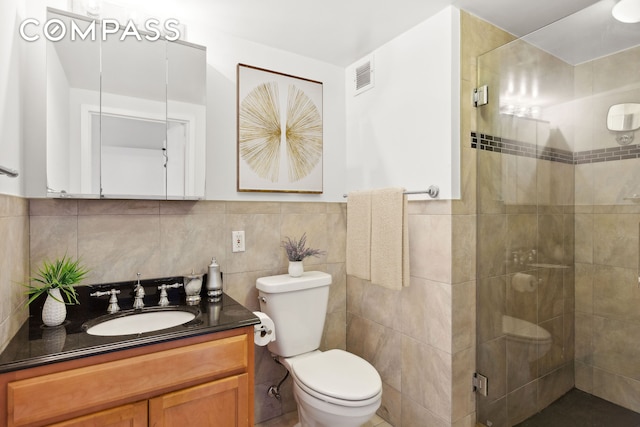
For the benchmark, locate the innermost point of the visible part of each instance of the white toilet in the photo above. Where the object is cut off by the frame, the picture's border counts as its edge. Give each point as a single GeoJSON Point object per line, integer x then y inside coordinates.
{"type": "Point", "coordinates": [332, 388]}
{"type": "Point", "coordinates": [527, 339]}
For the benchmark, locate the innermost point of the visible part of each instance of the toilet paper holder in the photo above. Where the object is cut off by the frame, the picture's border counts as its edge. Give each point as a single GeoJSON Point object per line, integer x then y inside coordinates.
{"type": "Point", "coordinates": [262, 330]}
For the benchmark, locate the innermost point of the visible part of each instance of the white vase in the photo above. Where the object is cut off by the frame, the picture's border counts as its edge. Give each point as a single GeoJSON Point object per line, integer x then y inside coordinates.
{"type": "Point", "coordinates": [54, 338]}
{"type": "Point", "coordinates": [296, 268]}
{"type": "Point", "coordinates": [54, 312]}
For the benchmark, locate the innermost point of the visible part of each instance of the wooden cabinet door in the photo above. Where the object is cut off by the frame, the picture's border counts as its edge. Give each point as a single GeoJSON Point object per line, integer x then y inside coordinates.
{"type": "Point", "coordinates": [131, 415]}
{"type": "Point", "coordinates": [222, 403]}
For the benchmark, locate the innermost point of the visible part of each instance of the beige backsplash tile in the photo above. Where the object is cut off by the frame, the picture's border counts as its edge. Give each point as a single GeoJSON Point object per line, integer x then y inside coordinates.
{"type": "Point", "coordinates": [253, 207]}
{"type": "Point", "coordinates": [14, 265]}
{"type": "Point", "coordinates": [117, 247]}
{"type": "Point", "coordinates": [13, 206]}
{"type": "Point", "coordinates": [187, 207]}
{"type": "Point", "coordinates": [314, 226]}
{"type": "Point", "coordinates": [188, 242]}
{"type": "Point", "coordinates": [52, 207]}
{"type": "Point", "coordinates": [262, 241]}
{"type": "Point", "coordinates": [118, 207]}
{"type": "Point", "coordinates": [53, 237]}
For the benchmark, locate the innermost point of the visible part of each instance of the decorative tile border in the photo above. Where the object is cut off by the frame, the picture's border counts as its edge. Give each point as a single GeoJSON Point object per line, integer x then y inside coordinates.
{"type": "Point", "coordinates": [526, 149]}
{"type": "Point", "coordinates": [607, 154]}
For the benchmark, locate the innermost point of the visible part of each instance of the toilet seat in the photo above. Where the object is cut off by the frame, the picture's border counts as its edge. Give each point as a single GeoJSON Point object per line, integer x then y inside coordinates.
{"type": "Point", "coordinates": [338, 377]}
{"type": "Point", "coordinates": [522, 330]}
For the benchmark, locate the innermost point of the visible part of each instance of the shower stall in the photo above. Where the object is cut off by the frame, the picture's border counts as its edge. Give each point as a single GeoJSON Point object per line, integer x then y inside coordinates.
{"type": "Point", "coordinates": [558, 214]}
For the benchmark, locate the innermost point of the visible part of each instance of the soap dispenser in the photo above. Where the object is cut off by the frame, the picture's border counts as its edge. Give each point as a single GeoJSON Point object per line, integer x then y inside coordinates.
{"type": "Point", "coordinates": [214, 281]}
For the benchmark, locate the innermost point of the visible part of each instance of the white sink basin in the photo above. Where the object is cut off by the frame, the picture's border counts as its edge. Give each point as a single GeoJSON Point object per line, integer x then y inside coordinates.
{"type": "Point", "coordinates": [137, 323]}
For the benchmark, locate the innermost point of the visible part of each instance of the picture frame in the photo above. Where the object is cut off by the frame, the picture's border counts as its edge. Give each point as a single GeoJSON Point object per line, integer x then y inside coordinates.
{"type": "Point", "coordinates": [279, 132]}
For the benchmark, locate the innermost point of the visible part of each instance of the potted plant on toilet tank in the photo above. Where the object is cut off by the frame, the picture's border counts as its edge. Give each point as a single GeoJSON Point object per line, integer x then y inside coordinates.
{"type": "Point", "coordinates": [297, 250]}
{"type": "Point", "coordinates": [57, 280]}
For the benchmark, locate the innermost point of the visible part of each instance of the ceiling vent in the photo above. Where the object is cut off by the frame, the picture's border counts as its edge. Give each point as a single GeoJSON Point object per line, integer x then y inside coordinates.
{"type": "Point", "coordinates": [364, 75]}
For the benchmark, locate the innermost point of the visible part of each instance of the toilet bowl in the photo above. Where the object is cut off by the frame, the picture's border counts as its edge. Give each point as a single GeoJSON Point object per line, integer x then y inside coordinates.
{"type": "Point", "coordinates": [334, 388]}
{"type": "Point", "coordinates": [531, 339]}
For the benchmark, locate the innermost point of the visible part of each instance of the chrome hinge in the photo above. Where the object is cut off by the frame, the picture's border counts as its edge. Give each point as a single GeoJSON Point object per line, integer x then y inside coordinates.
{"type": "Point", "coordinates": [481, 96]}
{"type": "Point", "coordinates": [480, 384]}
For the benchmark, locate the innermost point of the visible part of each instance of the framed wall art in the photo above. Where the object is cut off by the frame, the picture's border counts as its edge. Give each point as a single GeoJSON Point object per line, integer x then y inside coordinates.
{"type": "Point", "coordinates": [279, 132]}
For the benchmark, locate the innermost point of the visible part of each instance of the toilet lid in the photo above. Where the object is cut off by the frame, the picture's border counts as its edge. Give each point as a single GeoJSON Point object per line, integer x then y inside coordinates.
{"type": "Point", "coordinates": [338, 374]}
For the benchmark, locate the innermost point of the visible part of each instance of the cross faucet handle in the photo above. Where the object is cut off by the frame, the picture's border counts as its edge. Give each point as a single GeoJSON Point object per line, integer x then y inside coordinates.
{"type": "Point", "coordinates": [113, 301]}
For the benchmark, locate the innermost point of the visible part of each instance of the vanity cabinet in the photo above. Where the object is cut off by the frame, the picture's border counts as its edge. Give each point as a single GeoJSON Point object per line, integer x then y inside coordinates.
{"type": "Point", "coordinates": [133, 415]}
{"type": "Point", "coordinates": [218, 403]}
{"type": "Point", "coordinates": [205, 380]}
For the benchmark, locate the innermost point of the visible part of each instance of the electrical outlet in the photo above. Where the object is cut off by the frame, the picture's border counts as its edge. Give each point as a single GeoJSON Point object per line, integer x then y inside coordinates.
{"type": "Point", "coordinates": [237, 244]}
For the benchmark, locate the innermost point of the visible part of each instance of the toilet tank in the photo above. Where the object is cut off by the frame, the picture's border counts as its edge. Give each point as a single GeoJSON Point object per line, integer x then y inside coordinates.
{"type": "Point", "coordinates": [298, 308]}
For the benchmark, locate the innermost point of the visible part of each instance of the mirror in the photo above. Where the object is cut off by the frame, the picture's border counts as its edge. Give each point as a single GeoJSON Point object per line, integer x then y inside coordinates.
{"type": "Point", "coordinates": [132, 119]}
{"type": "Point", "coordinates": [126, 118]}
{"type": "Point", "coordinates": [73, 89]}
{"type": "Point", "coordinates": [623, 117]}
{"type": "Point", "coordinates": [186, 116]}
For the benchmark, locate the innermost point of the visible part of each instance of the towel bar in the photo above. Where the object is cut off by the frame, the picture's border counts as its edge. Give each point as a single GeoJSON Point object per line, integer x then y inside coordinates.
{"type": "Point", "coordinates": [9, 172]}
{"type": "Point", "coordinates": [432, 191]}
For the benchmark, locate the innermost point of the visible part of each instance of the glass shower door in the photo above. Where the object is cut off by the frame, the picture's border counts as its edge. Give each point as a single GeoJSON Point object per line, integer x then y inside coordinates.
{"type": "Point", "coordinates": [525, 224]}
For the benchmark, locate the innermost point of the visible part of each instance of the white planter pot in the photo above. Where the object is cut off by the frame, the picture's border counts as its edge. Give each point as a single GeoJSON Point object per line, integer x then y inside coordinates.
{"type": "Point", "coordinates": [54, 312]}
{"type": "Point", "coordinates": [296, 268]}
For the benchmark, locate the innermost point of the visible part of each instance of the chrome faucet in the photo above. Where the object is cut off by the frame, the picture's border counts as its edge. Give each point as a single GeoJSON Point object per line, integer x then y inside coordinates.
{"type": "Point", "coordinates": [138, 294]}
{"type": "Point", "coordinates": [164, 298]}
{"type": "Point", "coordinates": [113, 300]}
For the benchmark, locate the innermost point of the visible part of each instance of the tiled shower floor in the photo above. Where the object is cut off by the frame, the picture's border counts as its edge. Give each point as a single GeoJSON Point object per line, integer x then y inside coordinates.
{"type": "Point", "coordinates": [580, 409]}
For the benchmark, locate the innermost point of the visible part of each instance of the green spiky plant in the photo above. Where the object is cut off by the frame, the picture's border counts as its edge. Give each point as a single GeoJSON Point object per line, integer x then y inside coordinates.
{"type": "Point", "coordinates": [296, 249]}
{"type": "Point", "coordinates": [63, 274]}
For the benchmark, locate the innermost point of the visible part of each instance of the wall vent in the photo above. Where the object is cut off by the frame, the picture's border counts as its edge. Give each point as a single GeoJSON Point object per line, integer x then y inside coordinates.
{"type": "Point", "coordinates": [364, 75]}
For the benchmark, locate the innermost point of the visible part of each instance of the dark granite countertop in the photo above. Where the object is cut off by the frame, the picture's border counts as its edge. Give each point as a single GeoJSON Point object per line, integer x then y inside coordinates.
{"type": "Point", "coordinates": [35, 344]}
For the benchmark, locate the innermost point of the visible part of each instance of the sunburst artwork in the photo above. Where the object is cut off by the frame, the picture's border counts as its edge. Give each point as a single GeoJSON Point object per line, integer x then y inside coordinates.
{"type": "Point", "coordinates": [279, 132]}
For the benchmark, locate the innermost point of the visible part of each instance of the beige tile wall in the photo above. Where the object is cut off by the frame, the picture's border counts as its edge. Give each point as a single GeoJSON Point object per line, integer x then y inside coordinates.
{"type": "Point", "coordinates": [117, 239]}
{"type": "Point", "coordinates": [407, 334]}
{"type": "Point", "coordinates": [607, 297]}
{"type": "Point", "coordinates": [607, 241]}
{"type": "Point", "coordinates": [14, 264]}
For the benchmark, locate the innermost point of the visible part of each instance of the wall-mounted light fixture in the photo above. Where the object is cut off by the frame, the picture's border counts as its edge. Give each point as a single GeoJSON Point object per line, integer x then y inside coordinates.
{"type": "Point", "coordinates": [624, 119]}
{"type": "Point", "coordinates": [627, 11]}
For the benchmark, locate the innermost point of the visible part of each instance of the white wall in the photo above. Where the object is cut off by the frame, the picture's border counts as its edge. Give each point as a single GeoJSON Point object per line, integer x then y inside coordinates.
{"type": "Point", "coordinates": [223, 55]}
{"type": "Point", "coordinates": [405, 131]}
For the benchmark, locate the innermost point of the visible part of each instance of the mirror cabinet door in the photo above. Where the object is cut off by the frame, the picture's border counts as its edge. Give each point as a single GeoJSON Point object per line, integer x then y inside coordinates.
{"type": "Point", "coordinates": [186, 120]}
{"type": "Point", "coordinates": [133, 118]}
{"type": "Point", "coordinates": [73, 95]}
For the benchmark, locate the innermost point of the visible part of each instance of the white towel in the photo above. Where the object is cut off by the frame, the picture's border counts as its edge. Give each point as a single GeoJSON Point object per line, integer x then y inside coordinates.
{"type": "Point", "coordinates": [389, 238]}
{"type": "Point", "coordinates": [359, 234]}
